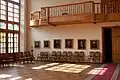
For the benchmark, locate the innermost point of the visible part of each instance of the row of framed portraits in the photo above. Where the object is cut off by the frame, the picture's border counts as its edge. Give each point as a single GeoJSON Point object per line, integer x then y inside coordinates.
{"type": "Point", "coordinates": [94, 44]}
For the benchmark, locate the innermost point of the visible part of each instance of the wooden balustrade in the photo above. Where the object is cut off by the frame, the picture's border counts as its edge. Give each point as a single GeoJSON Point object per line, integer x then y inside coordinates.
{"type": "Point", "coordinates": [76, 13]}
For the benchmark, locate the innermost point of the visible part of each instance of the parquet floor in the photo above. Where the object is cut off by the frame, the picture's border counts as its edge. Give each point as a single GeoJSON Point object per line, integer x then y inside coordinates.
{"type": "Point", "coordinates": [48, 71]}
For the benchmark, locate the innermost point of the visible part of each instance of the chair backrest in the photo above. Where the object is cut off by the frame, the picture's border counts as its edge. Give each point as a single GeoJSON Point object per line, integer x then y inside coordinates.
{"type": "Point", "coordinates": [45, 53]}
{"type": "Point", "coordinates": [97, 54]}
{"type": "Point", "coordinates": [54, 53]}
{"type": "Point", "coordinates": [92, 54]}
{"type": "Point", "coordinates": [59, 53]}
{"type": "Point", "coordinates": [81, 54]}
{"type": "Point", "coordinates": [76, 53]}
{"type": "Point", "coordinates": [70, 53]}
{"type": "Point", "coordinates": [64, 53]}
{"type": "Point", "coordinates": [21, 54]}
{"type": "Point", "coordinates": [41, 53]}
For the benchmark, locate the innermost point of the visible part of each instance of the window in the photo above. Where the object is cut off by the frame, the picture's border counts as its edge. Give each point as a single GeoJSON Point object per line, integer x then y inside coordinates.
{"type": "Point", "coordinates": [2, 42]}
{"type": "Point", "coordinates": [9, 26]}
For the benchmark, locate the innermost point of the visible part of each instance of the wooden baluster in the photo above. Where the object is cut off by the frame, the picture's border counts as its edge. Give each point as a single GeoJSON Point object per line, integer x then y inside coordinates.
{"type": "Point", "coordinates": [113, 7]}
{"type": "Point", "coordinates": [69, 10]}
{"type": "Point", "coordinates": [57, 11]}
{"type": "Point", "coordinates": [77, 7]}
{"type": "Point", "coordinates": [73, 9]}
{"type": "Point", "coordinates": [97, 8]}
{"type": "Point", "coordinates": [80, 8]}
{"type": "Point", "coordinates": [48, 10]}
{"type": "Point", "coordinates": [39, 15]}
{"type": "Point", "coordinates": [84, 8]}
{"type": "Point", "coordinates": [53, 11]}
{"type": "Point", "coordinates": [118, 7]}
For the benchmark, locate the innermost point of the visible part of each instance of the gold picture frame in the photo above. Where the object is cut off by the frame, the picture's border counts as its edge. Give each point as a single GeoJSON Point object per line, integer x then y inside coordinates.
{"type": "Point", "coordinates": [69, 43]}
{"type": "Point", "coordinates": [94, 44]}
{"type": "Point", "coordinates": [57, 43]}
{"type": "Point", "coordinates": [81, 44]}
{"type": "Point", "coordinates": [46, 44]}
{"type": "Point", "coordinates": [37, 44]}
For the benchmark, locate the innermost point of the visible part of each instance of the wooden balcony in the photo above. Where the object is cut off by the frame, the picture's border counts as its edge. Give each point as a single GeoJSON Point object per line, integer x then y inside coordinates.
{"type": "Point", "coordinates": [77, 13]}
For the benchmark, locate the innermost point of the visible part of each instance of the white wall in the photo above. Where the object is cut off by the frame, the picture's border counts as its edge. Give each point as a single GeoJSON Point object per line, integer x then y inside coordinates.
{"type": "Point", "coordinates": [75, 31]}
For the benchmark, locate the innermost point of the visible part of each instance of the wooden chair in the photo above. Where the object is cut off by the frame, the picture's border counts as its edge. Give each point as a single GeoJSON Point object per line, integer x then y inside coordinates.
{"type": "Point", "coordinates": [92, 57]}
{"type": "Point", "coordinates": [69, 56]}
{"type": "Point", "coordinates": [53, 57]}
{"type": "Point", "coordinates": [64, 56]}
{"type": "Point", "coordinates": [11, 58]}
{"type": "Point", "coordinates": [58, 56]}
{"type": "Point", "coordinates": [0, 59]}
{"type": "Point", "coordinates": [38, 57]}
{"type": "Point", "coordinates": [97, 57]}
{"type": "Point", "coordinates": [16, 58]}
{"type": "Point", "coordinates": [27, 56]}
{"type": "Point", "coordinates": [76, 56]}
{"type": "Point", "coordinates": [81, 55]}
{"type": "Point", "coordinates": [32, 58]}
{"type": "Point", "coordinates": [5, 59]}
{"type": "Point", "coordinates": [45, 56]}
{"type": "Point", "coordinates": [21, 57]}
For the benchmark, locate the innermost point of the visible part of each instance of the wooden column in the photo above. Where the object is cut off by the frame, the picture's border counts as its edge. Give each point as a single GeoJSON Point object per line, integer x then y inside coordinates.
{"type": "Point", "coordinates": [27, 8]}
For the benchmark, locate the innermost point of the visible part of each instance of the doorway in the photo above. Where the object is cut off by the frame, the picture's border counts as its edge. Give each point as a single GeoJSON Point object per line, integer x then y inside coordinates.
{"type": "Point", "coordinates": [107, 45]}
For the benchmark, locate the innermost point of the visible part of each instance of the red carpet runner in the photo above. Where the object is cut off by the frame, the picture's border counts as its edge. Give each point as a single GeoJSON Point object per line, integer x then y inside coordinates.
{"type": "Point", "coordinates": [106, 73]}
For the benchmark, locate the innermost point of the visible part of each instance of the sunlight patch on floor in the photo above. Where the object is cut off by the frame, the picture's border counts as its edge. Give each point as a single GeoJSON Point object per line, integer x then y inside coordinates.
{"type": "Point", "coordinates": [16, 78]}
{"type": "Point", "coordinates": [29, 79]}
{"type": "Point", "coordinates": [44, 66]}
{"type": "Point", "coordinates": [71, 68]}
{"type": "Point", "coordinates": [2, 76]}
{"type": "Point", "coordinates": [18, 65]}
{"type": "Point", "coordinates": [101, 71]}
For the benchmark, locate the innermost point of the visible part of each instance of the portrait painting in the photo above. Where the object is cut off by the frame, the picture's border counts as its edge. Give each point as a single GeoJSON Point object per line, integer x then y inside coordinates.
{"type": "Point", "coordinates": [94, 44]}
{"type": "Point", "coordinates": [57, 43]}
{"type": "Point", "coordinates": [46, 44]}
{"type": "Point", "coordinates": [81, 44]}
{"type": "Point", "coordinates": [37, 44]}
{"type": "Point", "coordinates": [68, 43]}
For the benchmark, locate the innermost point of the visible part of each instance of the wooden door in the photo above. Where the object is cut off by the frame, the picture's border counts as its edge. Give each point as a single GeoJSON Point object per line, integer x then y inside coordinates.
{"type": "Point", "coordinates": [116, 44]}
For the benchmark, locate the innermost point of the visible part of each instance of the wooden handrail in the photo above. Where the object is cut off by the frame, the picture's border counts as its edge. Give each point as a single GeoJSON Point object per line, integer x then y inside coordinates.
{"type": "Point", "coordinates": [67, 4]}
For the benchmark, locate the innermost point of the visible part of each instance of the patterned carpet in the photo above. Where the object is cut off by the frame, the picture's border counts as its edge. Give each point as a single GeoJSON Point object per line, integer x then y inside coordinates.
{"type": "Point", "coordinates": [107, 72]}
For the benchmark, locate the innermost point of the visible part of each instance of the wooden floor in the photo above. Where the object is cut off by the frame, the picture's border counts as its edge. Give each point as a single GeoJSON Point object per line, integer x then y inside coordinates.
{"type": "Point", "coordinates": [48, 71]}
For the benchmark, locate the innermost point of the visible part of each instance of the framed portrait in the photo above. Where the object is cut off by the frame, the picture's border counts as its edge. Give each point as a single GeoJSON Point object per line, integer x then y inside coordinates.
{"type": "Point", "coordinates": [57, 43]}
{"type": "Point", "coordinates": [46, 44]}
{"type": "Point", "coordinates": [94, 44]}
{"type": "Point", "coordinates": [81, 44]}
{"type": "Point", "coordinates": [37, 44]}
{"type": "Point", "coordinates": [68, 43]}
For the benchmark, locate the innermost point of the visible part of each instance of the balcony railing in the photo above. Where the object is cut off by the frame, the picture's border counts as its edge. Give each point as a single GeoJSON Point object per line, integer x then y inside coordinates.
{"type": "Point", "coordinates": [85, 12]}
